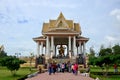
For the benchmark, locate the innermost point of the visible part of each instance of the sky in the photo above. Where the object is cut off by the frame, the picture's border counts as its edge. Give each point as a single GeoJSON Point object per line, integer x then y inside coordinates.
{"type": "Point", "coordinates": [22, 20]}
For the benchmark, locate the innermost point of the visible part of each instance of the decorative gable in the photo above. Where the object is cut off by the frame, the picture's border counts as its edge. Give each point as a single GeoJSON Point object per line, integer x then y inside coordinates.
{"type": "Point", "coordinates": [61, 22]}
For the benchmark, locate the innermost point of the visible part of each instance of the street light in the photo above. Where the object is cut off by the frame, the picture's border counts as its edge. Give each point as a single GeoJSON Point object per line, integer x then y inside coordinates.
{"type": "Point", "coordinates": [31, 57]}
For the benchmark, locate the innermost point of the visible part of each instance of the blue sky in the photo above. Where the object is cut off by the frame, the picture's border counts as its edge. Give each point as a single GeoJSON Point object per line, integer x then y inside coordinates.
{"type": "Point", "coordinates": [21, 20]}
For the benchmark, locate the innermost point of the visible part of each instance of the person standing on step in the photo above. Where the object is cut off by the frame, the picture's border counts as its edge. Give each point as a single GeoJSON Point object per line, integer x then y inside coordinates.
{"type": "Point", "coordinates": [54, 68]}
{"type": "Point", "coordinates": [63, 67]}
{"type": "Point", "coordinates": [72, 68]}
{"type": "Point", "coordinates": [50, 68]}
{"type": "Point", "coordinates": [75, 68]}
{"type": "Point", "coordinates": [58, 67]}
{"type": "Point", "coordinates": [69, 67]}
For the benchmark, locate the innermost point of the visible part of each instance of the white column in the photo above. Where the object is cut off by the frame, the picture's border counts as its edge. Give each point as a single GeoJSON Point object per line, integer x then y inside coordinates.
{"type": "Point", "coordinates": [69, 43]}
{"type": "Point", "coordinates": [45, 50]}
{"type": "Point", "coordinates": [41, 48]}
{"type": "Point", "coordinates": [69, 48]}
{"type": "Point", "coordinates": [47, 46]}
{"type": "Point", "coordinates": [52, 46]}
{"type": "Point", "coordinates": [80, 48]}
{"type": "Point", "coordinates": [84, 52]}
{"type": "Point", "coordinates": [74, 45]}
{"type": "Point", "coordinates": [55, 50]}
{"type": "Point", "coordinates": [38, 48]}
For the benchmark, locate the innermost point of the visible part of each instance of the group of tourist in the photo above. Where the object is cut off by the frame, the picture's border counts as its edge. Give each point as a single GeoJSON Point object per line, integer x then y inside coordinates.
{"type": "Point", "coordinates": [62, 67]}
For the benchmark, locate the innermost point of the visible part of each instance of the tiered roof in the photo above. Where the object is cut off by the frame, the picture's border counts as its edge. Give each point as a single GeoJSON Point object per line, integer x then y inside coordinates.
{"type": "Point", "coordinates": [61, 25]}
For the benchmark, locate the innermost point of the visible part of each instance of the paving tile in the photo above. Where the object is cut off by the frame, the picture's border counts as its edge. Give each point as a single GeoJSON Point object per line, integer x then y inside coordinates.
{"type": "Point", "coordinates": [59, 76]}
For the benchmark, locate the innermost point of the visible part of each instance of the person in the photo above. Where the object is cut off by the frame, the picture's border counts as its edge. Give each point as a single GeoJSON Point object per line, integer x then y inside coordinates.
{"type": "Point", "coordinates": [50, 68]}
{"type": "Point", "coordinates": [39, 69]}
{"type": "Point", "coordinates": [63, 67]}
{"type": "Point", "coordinates": [75, 68]}
{"type": "Point", "coordinates": [72, 68]}
{"type": "Point", "coordinates": [58, 67]}
{"type": "Point", "coordinates": [88, 69]}
{"type": "Point", "coordinates": [69, 67]}
{"type": "Point", "coordinates": [115, 68]}
{"type": "Point", "coordinates": [54, 68]}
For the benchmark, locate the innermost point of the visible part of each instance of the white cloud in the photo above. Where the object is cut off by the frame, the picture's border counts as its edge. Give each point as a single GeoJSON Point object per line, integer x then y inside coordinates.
{"type": "Point", "coordinates": [115, 13]}
{"type": "Point", "coordinates": [40, 3]}
{"type": "Point", "coordinates": [112, 38]}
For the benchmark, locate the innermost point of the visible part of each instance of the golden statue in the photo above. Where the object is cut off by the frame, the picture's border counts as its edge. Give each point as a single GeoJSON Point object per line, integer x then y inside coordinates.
{"type": "Point", "coordinates": [61, 50]}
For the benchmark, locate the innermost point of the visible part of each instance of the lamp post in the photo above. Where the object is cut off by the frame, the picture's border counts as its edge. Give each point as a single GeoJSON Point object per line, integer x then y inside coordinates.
{"type": "Point", "coordinates": [31, 57]}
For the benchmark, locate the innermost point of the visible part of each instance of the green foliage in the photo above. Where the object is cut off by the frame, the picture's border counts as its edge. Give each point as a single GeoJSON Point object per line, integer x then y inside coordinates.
{"type": "Point", "coordinates": [104, 52]}
{"type": "Point", "coordinates": [116, 49]}
{"type": "Point", "coordinates": [12, 63]}
{"type": "Point", "coordinates": [92, 60]}
{"type": "Point", "coordinates": [115, 58]}
{"type": "Point", "coordinates": [106, 58]}
{"type": "Point", "coordinates": [3, 54]}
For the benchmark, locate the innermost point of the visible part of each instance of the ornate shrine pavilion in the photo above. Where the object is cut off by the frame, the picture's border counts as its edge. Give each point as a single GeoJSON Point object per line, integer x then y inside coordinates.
{"type": "Point", "coordinates": [60, 36]}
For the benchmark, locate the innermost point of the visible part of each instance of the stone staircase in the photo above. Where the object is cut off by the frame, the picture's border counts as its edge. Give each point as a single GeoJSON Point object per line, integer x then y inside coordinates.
{"type": "Point", "coordinates": [62, 60]}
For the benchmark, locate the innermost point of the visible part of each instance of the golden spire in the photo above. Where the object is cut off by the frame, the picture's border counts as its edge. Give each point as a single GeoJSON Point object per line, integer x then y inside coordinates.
{"type": "Point", "coordinates": [61, 16]}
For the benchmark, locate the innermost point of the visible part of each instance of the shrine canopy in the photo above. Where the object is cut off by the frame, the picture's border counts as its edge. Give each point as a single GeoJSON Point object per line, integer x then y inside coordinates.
{"type": "Point", "coordinates": [61, 32]}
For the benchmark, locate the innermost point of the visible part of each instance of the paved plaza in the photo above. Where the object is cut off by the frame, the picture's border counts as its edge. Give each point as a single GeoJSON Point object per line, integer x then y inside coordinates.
{"type": "Point", "coordinates": [59, 76]}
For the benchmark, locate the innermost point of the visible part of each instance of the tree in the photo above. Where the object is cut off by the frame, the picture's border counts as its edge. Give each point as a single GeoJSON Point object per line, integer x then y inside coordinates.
{"type": "Point", "coordinates": [12, 63]}
{"type": "Point", "coordinates": [104, 60]}
{"type": "Point", "coordinates": [92, 60]}
{"type": "Point", "coordinates": [116, 49]}
{"type": "Point", "coordinates": [3, 54]}
{"type": "Point", "coordinates": [107, 58]}
{"type": "Point", "coordinates": [91, 56]}
{"type": "Point", "coordinates": [92, 52]}
{"type": "Point", "coordinates": [105, 51]}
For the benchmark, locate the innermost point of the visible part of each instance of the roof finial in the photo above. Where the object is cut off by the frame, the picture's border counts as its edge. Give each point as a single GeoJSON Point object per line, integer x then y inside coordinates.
{"type": "Point", "coordinates": [61, 16]}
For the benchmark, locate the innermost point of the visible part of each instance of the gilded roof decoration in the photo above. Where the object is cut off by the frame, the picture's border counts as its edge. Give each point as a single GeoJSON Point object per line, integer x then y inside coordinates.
{"type": "Point", "coordinates": [61, 24]}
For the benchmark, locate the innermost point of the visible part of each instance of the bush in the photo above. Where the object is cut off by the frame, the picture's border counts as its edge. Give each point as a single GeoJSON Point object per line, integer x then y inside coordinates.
{"type": "Point", "coordinates": [12, 63]}
{"type": "Point", "coordinates": [82, 70]}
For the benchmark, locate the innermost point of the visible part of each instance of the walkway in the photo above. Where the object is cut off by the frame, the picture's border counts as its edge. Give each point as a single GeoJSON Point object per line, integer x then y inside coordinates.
{"type": "Point", "coordinates": [59, 76]}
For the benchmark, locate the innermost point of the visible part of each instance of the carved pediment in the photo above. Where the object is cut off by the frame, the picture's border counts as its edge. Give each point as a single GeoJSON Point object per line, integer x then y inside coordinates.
{"type": "Point", "coordinates": [61, 22]}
